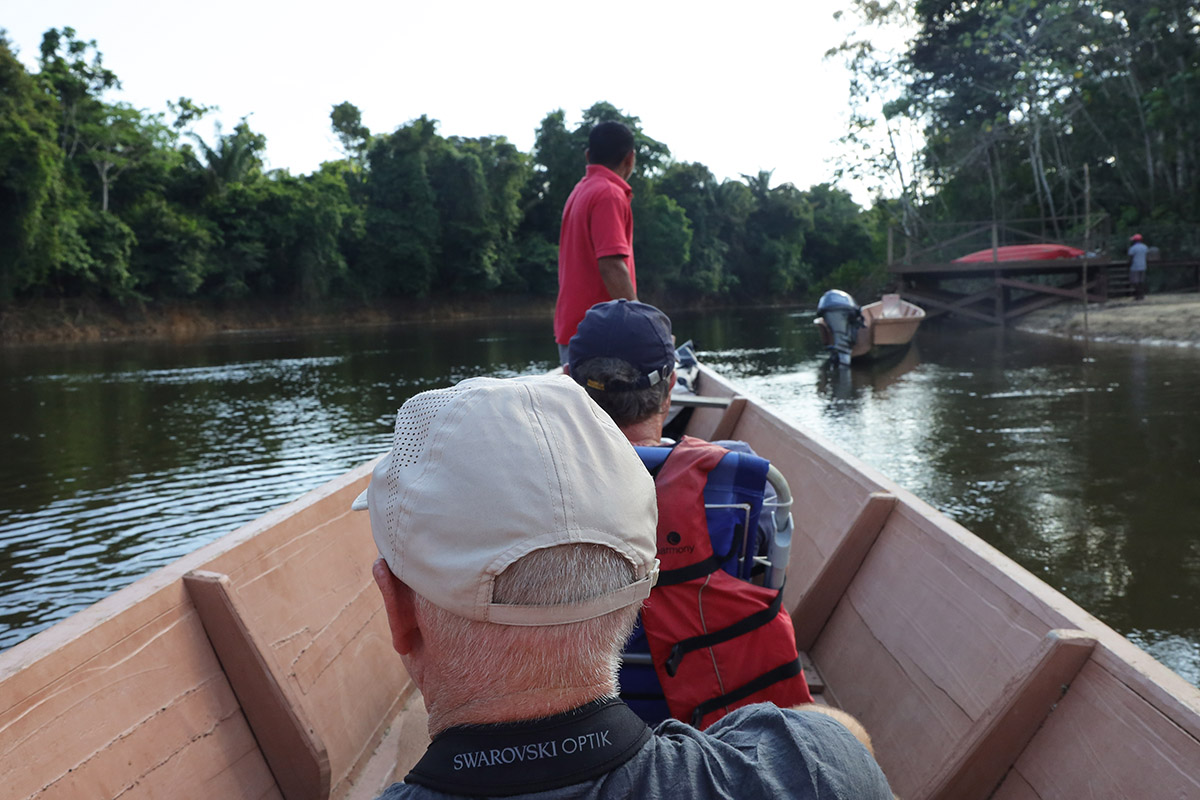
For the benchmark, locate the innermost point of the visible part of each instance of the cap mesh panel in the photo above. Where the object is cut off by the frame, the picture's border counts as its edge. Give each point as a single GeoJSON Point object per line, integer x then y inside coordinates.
{"type": "Point", "coordinates": [408, 442]}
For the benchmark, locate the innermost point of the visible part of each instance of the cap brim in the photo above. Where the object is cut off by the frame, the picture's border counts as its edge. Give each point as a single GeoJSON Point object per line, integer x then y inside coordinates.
{"type": "Point", "coordinates": [360, 502]}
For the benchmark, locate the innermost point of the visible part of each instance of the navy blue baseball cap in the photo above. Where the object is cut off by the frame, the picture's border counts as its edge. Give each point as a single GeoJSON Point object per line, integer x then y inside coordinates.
{"type": "Point", "coordinates": [628, 330]}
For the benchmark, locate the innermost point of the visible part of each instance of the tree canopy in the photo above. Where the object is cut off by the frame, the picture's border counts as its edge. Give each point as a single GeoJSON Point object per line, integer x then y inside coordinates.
{"type": "Point", "coordinates": [1033, 108]}
{"type": "Point", "coordinates": [100, 199]}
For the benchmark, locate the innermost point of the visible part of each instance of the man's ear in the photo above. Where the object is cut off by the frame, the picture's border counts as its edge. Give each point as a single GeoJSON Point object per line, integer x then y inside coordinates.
{"type": "Point", "coordinates": [628, 163]}
{"type": "Point", "coordinates": [400, 605]}
{"type": "Point", "coordinates": [666, 403]}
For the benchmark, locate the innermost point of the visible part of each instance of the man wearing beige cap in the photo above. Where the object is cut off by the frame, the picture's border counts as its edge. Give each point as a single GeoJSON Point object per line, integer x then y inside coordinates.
{"type": "Point", "coordinates": [516, 531]}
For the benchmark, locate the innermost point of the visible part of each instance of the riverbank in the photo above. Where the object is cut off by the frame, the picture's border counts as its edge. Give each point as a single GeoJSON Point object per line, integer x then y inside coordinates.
{"type": "Point", "coordinates": [50, 322]}
{"type": "Point", "coordinates": [1163, 319]}
{"type": "Point", "coordinates": [93, 321]}
{"type": "Point", "coordinates": [1170, 319]}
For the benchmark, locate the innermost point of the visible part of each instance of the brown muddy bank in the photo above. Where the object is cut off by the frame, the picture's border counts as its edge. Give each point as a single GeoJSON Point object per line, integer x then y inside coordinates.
{"type": "Point", "coordinates": [95, 321]}
{"type": "Point", "coordinates": [54, 321]}
{"type": "Point", "coordinates": [1168, 319]}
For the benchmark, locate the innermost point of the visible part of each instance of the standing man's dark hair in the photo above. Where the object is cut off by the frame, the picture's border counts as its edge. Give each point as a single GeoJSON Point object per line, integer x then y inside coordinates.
{"type": "Point", "coordinates": [609, 143]}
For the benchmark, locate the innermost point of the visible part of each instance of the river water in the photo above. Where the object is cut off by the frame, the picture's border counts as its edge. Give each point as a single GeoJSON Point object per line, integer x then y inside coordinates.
{"type": "Point", "coordinates": [1080, 462]}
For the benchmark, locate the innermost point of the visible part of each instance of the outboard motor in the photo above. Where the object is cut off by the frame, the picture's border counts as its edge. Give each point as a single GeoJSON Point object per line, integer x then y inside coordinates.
{"type": "Point", "coordinates": [844, 319]}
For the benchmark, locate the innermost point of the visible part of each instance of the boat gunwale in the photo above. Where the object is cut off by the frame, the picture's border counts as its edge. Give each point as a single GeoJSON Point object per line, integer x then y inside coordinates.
{"type": "Point", "coordinates": [67, 631]}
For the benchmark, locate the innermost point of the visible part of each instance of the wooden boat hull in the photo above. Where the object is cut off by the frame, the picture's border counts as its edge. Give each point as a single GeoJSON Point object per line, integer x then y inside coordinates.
{"type": "Point", "coordinates": [889, 325]}
{"type": "Point", "coordinates": [264, 658]}
{"type": "Point", "coordinates": [139, 696]}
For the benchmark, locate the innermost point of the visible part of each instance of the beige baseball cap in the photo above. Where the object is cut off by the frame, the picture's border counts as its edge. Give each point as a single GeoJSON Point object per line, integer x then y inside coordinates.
{"type": "Point", "coordinates": [482, 473]}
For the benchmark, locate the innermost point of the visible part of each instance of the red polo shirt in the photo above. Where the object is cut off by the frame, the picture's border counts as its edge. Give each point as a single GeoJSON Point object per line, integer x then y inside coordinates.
{"type": "Point", "coordinates": [597, 222]}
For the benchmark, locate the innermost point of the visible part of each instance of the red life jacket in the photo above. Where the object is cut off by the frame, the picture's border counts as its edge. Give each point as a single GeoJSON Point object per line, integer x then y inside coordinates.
{"type": "Point", "coordinates": [717, 642]}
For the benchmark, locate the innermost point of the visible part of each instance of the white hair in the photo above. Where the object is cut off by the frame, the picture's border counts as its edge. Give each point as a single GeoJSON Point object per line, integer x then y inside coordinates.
{"type": "Point", "coordinates": [487, 658]}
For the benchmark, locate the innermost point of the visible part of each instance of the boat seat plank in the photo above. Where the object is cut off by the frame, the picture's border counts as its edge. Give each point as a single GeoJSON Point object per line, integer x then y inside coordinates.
{"type": "Point", "coordinates": [1103, 740]}
{"type": "Point", "coordinates": [812, 675]}
{"type": "Point", "coordinates": [137, 709]}
{"type": "Point", "coordinates": [928, 606]}
{"type": "Point", "coordinates": [703, 419]}
{"type": "Point", "coordinates": [979, 762]}
{"type": "Point", "coordinates": [823, 594]}
{"type": "Point", "coordinates": [929, 645]}
{"type": "Point", "coordinates": [310, 601]}
{"type": "Point", "coordinates": [293, 749]}
{"type": "Point", "coordinates": [913, 724]}
{"type": "Point", "coordinates": [729, 420]}
{"type": "Point", "coordinates": [699, 401]}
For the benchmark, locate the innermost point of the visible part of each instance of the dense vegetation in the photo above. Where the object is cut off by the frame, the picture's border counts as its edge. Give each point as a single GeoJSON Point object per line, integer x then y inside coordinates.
{"type": "Point", "coordinates": [1034, 109]}
{"type": "Point", "coordinates": [1081, 116]}
{"type": "Point", "coordinates": [102, 200]}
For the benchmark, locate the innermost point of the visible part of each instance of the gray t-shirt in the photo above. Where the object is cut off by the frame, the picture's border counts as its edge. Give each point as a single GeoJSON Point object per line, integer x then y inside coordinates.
{"type": "Point", "coordinates": [1137, 255]}
{"type": "Point", "coordinates": [758, 751]}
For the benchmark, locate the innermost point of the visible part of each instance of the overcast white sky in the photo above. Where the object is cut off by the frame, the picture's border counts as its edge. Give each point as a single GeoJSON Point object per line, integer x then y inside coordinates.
{"type": "Point", "coordinates": [738, 86]}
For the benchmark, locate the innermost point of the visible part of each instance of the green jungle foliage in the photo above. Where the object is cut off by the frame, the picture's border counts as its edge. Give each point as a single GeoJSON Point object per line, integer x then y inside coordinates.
{"type": "Point", "coordinates": [102, 200]}
{"type": "Point", "coordinates": [1049, 110]}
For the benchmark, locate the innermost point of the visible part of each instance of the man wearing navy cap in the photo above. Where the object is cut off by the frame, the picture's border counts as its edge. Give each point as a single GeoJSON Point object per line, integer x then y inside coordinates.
{"type": "Point", "coordinates": [623, 353]}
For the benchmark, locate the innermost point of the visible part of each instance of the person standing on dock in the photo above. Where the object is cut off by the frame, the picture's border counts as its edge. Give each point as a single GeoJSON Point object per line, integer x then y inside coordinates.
{"type": "Point", "coordinates": [1137, 266]}
{"type": "Point", "coordinates": [516, 532]}
{"type": "Point", "coordinates": [595, 244]}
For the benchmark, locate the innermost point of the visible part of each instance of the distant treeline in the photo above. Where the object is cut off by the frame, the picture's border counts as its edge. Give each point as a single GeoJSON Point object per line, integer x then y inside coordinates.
{"type": "Point", "coordinates": [102, 200]}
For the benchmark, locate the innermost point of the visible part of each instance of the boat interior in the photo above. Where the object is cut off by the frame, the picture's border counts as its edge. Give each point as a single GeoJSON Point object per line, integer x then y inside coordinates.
{"type": "Point", "coordinates": [890, 306]}
{"type": "Point", "coordinates": [261, 666]}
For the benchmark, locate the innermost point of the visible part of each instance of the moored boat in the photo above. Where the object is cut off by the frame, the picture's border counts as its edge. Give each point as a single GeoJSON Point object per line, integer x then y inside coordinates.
{"type": "Point", "coordinates": [877, 330]}
{"type": "Point", "coordinates": [261, 666]}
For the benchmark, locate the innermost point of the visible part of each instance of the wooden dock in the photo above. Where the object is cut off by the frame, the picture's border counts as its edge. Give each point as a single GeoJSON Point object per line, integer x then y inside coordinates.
{"type": "Point", "coordinates": [998, 292]}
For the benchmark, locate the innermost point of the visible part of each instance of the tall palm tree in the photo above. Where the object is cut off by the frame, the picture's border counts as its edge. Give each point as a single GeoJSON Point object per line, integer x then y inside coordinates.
{"type": "Point", "coordinates": [235, 158]}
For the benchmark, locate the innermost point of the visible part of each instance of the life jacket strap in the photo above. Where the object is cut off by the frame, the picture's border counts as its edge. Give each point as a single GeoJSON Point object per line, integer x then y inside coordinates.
{"type": "Point", "coordinates": [781, 673]}
{"type": "Point", "coordinates": [745, 625]}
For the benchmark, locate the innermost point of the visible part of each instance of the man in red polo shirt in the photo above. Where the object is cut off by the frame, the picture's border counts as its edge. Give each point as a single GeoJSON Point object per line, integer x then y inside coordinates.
{"type": "Point", "coordinates": [595, 247]}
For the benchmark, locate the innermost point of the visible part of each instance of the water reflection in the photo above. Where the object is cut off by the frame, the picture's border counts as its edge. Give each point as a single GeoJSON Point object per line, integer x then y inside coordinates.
{"type": "Point", "coordinates": [121, 459]}
{"type": "Point", "coordinates": [844, 384]}
{"type": "Point", "coordinates": [1080, 463]}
